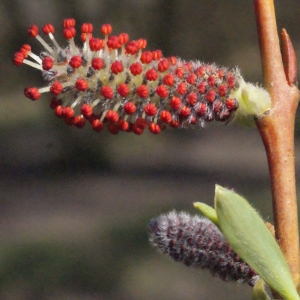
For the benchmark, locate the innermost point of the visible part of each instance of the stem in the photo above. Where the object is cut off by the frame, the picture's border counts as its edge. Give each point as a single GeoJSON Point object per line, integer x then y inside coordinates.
{"type": "Point", "coordinates": [277, 132]}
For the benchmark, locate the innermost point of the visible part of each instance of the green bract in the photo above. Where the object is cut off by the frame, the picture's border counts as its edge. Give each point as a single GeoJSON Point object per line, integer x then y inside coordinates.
{"type": "Point", "coordinates": [253, 100]}
{"type": "Point", "coordinates": [208, 212]}
{"type": "Point", "coordinates": [247, 234]}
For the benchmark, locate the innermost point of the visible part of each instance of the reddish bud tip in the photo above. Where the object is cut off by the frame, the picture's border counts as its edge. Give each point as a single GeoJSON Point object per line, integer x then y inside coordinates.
{"type": "Point", "coordinates": [162, 91]}
{"type": "Point", "coordinates": [123, 38]}
{"type": "Point", "coordinates": [154, 128]}
{"type": "Point", "coordinates": [48, 28]}
{"type": "Point", "coordinates": [96, 44]}
{"type": "Point", "coordinates": [116, 67]}
{"type": "Point", "coordinates": [123, 90]}
{"type": "Point", "coordinates": [33, 30]}
{"type": "Point", "coordinates": [97, 63]}
{"type": "Point", "coordinates": [18, 58]}
{"type": "Point", "coordinates": [163, 65]}
{"type": "Point", "coordinates": [81, 84]}
{"type": "Point", "coordinates": [136, 69]}
{"type": "Point", "coordinates": [142, 91]}
{"type": "Point", "coordinates": [69, 32]}
{"type": "Point", "coordinates": [150, 109]}
{"type": "Point", "coordinates": [151, 75]}
{"type": "Point", "coordinates": [32, 93]}
{"type": "Point", "coordinates": [47, 63]}
{"type": "Point", "coordinates": [86, 110]}
{"type": "Point", "coordinates": [97, 125]}
{"type": "Point", "coordinates": [107, 92]}
{"type": "Point", "coordinates": [129, 108]}
{"type": "Point", "coordinates": [165, 116]}
{"type": "Point", "coordinates": [106, 29]}
{"type": "Point", "coordinates": [146, 57]}
{"type": "Point", "coordinates": [75, 61]}
{"type": "Point", "coordinates": [113, 42]}
{"type": "Point", "coordinates": [56, 88]}
{"type": "Point", "coordinates": [112, 116]}
{"type": "Point", "coordinates": [87, 28]}
{"type": "Point", "coordinates": [69, 23]}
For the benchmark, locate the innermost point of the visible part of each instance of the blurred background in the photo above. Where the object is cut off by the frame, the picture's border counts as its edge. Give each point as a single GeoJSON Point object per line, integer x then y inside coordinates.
{"type": "Point", "coordinates": [74, 204]}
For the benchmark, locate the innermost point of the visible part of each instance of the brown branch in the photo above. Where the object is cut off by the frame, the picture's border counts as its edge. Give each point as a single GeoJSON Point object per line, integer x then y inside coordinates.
{"type": "Point", "coordinates": [277, 132]}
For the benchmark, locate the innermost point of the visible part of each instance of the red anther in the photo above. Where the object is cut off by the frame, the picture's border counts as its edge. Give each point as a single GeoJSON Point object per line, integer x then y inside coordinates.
{"type": "Point", "coordinates": [217, 106]}
{"type": "Point", "coordinates": [69, 23]}
{"type": "Point", "coordinates": [163, 65]}
{"type": "Point", "coordinates": [69, 32]}
{"type": "Point", "coordinates": [211, 80]}
{"type": "Point", "coordinates": [96, 44]}
{"type": "Point", "coordinates": [75, 61]}
{"type": "Point", "coordinates": [137, 130]}
{"type": "Point", "coordinates": [210, 96]}
{"type": "Point", "coordinates": [97, 63]}
{"type": "Point", "coordinates": [222, 89]}
{"type": "Point", "coordinates": [56, 88]}
{"type": "Point", "coordinates": [47, 63]}
{"type": "Point", "coordinates": [179, 72]}
{"type": "Point", "coordinates": [136, 69]}
{"type": "Point", "coordinates": [165, 116]}
{"type": "Point", "coordinates": [151, 75]}
{"type": "Point", "coordinates": [113, 42]}
{"type": "Point", "coordinates": [188, 66]}
{"type": "Point", "coordinates": [48, 28]}
{"type": "Point", "coordinates": [191, 79]}
{"type": "Point", "coordinates": [202, 109]}
{"type": "Point", "coordinates": [231, 80]}
{"type": "Point", "coordinates": [59, 111]}
{"type": "Point", "coordinates": [142, 91]}
{"type": "Point", "coordinates": [123, 125]}
{"type": "Point", "coordinates": [113, 128]}
{"type": "Point", "coordinates": [142, 43]}
{"type": "Point", "coordinates": [174, 123]}
{"type": "Point", "coordinates": [231, 104]}
{"type": "Point", "coordinates": [181, 88]}
{"type": "Point", "coordinates": [107, 92]}
{"type": "Point", "coordinates": [173, 60]}
{"type": "Point", "coordinates": [157, 54]}
{"type": "Point", "coordinates": [123, 90]}
{"type": "Point", "coordinates": [81, 84]}
{"type": "Point", "coordinates": [25, 49]}
{"type": "Point", "coordinates": [112, 116]}
{"type": "Point", "coordinates": [33, 30]}
{"type": "Point", "coordinates": [86, 110]}
{"type": "Point", "coordinates": [202, 87]}
{"type": "Point", "coordinates": [97, 125]}
{"type": "Point", "coordinates": [55, 102]}
{"type": "Point", "coordinates": [162, 91]}
{"type": "Point", "coordinates": [32, 93]}
{"type": "Point", "coordinates": [106, 29]}
{"type": "Point", "coordinates": [192, 98]}
{"type": "Point", "coordinates": [146, 57]}
{"type": "Point", "coordinates": [140, 122]}
{"type": "Point", "coordinates": [175, 103]}
{"type": "Point", "coordinates": [132, 47]}
{"type": "Point", "coordinates": [123, 38]}
{"type": "Point", "coordinates": [18, 58]}
{"type": "Point", "coordinates": [79, 121]}
{"type": "Point", "coordinates": [184, 112]}
{"type": "Point", "coordinates": [84, 36]}
{"type": "Point", "coordinates": [68, 112]}
{"type": "Point", "coordinates": [220, 73]}
{"type": "Point", "coordinates": [150, 109]}
{"type": "Point", "coordinates": [116, 67]}
{"type": "Point", "coordinates": [169, 80]}
{"type": "Point", "coordinates": [87, 28]}
{"type": "Point", "coordinates": [200, 72]}
{"type": "Point", "coordinates": [129, 108]}
{"type": "Point", "coordinates": [154, 128]}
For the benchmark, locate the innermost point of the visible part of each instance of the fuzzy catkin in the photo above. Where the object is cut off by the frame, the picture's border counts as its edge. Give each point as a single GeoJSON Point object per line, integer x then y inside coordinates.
{"type": "Point", "coordinates": [198, 242]}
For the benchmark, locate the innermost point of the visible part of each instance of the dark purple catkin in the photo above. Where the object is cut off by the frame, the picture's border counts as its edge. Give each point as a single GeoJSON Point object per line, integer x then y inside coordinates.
{"type": "Point", "coordinates": [198, 242]}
